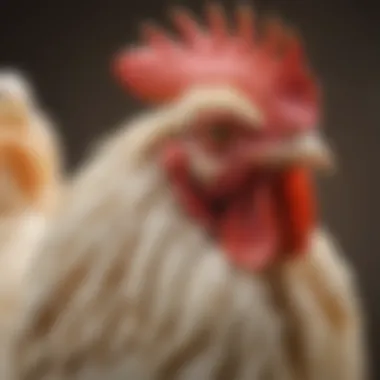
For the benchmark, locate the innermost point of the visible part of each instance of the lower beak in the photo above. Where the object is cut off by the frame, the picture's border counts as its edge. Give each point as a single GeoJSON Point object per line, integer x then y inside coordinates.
{"type": "Point", "coordinates": [309, 150]}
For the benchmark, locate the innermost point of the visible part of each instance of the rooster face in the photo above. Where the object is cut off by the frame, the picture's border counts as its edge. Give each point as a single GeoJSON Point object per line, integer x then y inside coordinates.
{"type": "Point", "coordinates": [246, 183]}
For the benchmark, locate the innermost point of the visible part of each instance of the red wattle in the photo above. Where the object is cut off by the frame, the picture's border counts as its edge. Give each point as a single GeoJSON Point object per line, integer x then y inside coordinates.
{"type": "Point", "coordinates": [249, 230]}
{"type": "Point", "coordinates": [300, 212]}
{"type": "Point", "coordinates": [271, 220]}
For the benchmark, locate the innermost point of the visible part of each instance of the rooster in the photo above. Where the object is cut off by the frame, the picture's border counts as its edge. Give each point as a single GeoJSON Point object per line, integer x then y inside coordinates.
{"type": "Point", "coordinates": [189, 246]}
{"type": "Point", "coordinates": [29, 186]}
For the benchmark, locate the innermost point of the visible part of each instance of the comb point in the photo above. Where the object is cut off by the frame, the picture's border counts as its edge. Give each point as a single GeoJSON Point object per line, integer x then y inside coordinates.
{"type": "Point", "coordinates": [217, 21]}
{"type": "Point", "coordinates": [245, 23]}
{"type": "Point", "coordinates": [185, 23]}
{"type": "Point", "coordinates": [294, 54]}
{"type": "Point", "coordinates": [274, 36]}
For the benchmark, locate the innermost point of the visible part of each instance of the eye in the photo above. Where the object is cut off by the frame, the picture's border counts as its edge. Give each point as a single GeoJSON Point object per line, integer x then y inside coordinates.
{"type": "Point", "coordinates": [221, 133]}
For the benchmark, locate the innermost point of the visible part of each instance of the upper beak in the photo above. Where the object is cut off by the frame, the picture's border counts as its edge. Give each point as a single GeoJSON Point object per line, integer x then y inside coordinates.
{"type": "Point", "coordinates": [309, 150]}
{"type": "Point", "coordinates": [312, 151]}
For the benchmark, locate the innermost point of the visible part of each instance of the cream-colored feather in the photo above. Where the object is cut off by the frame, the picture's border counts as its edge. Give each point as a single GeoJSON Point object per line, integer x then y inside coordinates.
{"type": "Point", "coordinates": [29, 189]}
{"type": "Point", "coordinates": [126, 287]}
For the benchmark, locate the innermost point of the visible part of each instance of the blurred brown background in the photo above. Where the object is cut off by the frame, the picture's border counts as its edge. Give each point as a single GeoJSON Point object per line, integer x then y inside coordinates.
{"type": "Point", "coordinates": [66, 50]}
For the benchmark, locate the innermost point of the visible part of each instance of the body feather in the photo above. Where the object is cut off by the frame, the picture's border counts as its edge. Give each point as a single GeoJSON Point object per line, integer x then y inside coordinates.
{"type": "Point", "coordinates": [30, 186]}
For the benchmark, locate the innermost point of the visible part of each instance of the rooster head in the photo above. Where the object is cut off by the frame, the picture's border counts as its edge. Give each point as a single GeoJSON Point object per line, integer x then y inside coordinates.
{"type": "Point", "coordinates": [242, 161]}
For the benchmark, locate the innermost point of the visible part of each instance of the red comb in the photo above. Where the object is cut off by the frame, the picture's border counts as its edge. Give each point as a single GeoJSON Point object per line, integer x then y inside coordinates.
{"type": "Point", "coordinates": [270, 70]}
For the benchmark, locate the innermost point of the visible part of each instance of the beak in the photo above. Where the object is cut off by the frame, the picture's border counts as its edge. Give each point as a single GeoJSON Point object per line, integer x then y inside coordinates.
{"type": "Point", "coordinates": [312, 151]}
{"type": "Point", "coordinates": [309, 150]}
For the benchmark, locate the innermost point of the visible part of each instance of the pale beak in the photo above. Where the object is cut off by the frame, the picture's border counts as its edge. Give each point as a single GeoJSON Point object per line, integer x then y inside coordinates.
{"type": "Point", "coordinates": [312, 151]}
{"type": "Point", "coordinates": [309, 150]}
